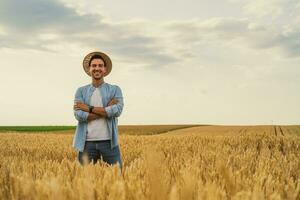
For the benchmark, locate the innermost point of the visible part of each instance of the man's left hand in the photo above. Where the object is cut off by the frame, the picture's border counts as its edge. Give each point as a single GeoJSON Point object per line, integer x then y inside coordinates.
{"type": "Point", "coordinates": [81, 106]}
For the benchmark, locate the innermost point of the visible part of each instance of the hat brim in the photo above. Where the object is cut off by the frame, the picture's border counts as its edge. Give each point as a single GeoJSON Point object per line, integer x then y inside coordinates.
{"type": "Point", "coordinates": [87, 58]}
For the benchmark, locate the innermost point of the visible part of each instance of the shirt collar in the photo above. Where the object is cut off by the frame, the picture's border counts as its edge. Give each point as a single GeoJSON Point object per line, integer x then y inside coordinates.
{"type": "Point", "coordinates": [93, 88]}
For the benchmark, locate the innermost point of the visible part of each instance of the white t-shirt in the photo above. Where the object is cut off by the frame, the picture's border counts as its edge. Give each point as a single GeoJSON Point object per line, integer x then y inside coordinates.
{"type": "Point", "coordinates": [97, 129]}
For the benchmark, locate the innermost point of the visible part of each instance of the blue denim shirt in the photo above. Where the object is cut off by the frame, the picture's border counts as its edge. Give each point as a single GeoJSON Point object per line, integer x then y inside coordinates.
{"type": "Point", "coordinates": [108, 91]}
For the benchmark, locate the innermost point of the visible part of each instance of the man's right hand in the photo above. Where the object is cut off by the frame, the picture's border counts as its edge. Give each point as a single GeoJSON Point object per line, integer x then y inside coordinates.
{"type": "Point", "coordinates": [112, 102]}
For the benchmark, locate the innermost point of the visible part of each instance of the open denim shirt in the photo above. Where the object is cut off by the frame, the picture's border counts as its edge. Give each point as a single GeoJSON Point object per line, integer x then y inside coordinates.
{"type": "Point", "coordinates": [108, 92]}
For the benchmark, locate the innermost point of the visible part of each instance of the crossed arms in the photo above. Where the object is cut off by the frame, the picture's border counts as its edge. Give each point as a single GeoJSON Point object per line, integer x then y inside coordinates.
{"type": "Point", "coordinates": [113, 109]}
{"type": "Point", "coordinates": [98, 112]}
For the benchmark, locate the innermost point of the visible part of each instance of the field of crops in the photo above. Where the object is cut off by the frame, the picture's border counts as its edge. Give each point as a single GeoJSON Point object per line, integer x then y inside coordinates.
{"type": "Point", "coordinates": [204, 162]}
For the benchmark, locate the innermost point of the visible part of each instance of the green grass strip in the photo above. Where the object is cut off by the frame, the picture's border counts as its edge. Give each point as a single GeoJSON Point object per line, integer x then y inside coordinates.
{"type": "Point", "coordinates": [35, 128]}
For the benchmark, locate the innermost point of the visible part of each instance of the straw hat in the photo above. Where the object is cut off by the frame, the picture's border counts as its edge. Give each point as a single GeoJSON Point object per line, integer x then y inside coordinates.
{"type": "Point", "coordinates": [105, 57]}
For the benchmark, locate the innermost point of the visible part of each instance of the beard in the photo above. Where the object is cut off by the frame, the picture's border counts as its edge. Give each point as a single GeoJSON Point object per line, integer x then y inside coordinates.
{"type": "Point", "coordinates": [97, 77]}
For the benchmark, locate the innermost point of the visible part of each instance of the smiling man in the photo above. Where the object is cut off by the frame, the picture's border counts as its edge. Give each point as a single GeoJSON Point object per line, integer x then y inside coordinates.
{"type": "Point", "coordinates": [97, 108]}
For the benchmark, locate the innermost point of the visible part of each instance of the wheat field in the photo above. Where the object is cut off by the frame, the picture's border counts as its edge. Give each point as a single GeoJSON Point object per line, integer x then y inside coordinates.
{"type": "Point", "coordinates": [205, 162]}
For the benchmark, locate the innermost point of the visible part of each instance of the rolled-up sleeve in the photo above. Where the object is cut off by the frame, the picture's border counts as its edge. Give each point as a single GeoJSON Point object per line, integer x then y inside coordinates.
{"type": "Point", "coordinates": [80, 115]}
{"type": "Point", "coordinates": [116, 109]}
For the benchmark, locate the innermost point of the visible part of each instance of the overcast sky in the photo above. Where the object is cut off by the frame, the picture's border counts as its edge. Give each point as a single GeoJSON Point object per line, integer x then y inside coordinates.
{"type": "Point", "coordinates": [177, 62]}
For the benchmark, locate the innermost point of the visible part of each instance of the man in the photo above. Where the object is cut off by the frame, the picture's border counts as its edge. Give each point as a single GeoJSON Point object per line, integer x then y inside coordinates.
{"type": "Point", "coordinates": [97, 108]}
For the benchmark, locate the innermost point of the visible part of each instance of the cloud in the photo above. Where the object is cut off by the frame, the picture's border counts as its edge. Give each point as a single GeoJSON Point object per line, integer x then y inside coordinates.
{"type": "Point", "coordinates": [50, 25]}
{"type": "Point", "coordinates": [47, 25]}
{"type": "Point", "coordinates": [276, 10]}
{"type": "Point", "coordinates": [240, 32]}
{"type": "Point", "coordinates": [38, 15]}
{"type": "Point", "coordinates": [262, 8]}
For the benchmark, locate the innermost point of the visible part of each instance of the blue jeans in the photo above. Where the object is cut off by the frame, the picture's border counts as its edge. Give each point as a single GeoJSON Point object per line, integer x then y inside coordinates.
{"type": "Point", "coordinates": [97, 149]}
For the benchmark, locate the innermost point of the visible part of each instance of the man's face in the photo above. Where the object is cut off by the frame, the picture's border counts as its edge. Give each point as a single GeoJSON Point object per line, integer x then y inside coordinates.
{"type": "Point", "coordinates": [97, 68]}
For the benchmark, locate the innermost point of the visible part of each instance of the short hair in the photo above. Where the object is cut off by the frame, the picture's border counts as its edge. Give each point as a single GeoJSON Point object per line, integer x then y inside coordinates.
{"type": "Point", "coordinates": [97, 57]}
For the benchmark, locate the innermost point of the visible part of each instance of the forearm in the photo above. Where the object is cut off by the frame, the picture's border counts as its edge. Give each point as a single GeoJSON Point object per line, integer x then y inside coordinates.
{"type": "Point", "coordinates": [100, 111]}
{"type": "Point", "coordinates": [80, 115]}
{"type": "Point", "coordinates": [93, 116]}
